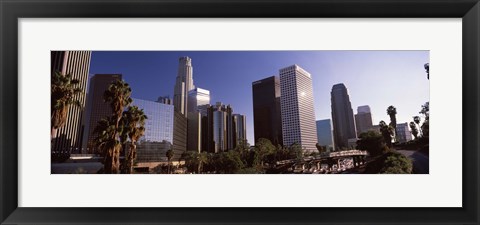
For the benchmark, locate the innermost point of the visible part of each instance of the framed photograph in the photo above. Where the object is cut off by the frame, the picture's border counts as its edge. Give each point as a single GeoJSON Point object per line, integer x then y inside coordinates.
{"type": "Point", "coordinates": [239, 112]}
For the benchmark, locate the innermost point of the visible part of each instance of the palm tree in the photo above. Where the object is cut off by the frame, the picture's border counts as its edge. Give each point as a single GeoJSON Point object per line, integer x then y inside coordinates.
{"type": "Point", "coordinates": [427, 69]}
{"type": "Point", "coordinates": [134, 127]}
{"type": "Point", "coordinates": [64, 90]}
{"type": "Point", "coordinates": [417, 120]}
{"type": "Point", "coordinates": [169, 155]}
{"type": "Point", "coordinates": [392, 112]}
{"type": "Point", "coordinates": [105, 144]}
{"type": "Point", "coordinates": [387, 132]}
{"type": "Point", "coordinates": [118, 95]}
{"type": "Point", "coordinates": [414, 129]}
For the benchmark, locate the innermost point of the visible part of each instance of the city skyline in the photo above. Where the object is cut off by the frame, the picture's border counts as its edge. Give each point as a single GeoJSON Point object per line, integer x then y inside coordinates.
{"type": "Point", "coordinates": [374, 78]}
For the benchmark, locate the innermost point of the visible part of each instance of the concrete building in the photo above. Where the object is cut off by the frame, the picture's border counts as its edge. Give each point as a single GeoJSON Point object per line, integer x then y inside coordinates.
{"type": "Point", "coordinates": [325, 134]}
{"type": "Point", "coordinates": [179, 134]}
{"type": "Point", "coordinates": [342, 117]}
{"type": "Point", "coordinates": [297, 109]}
{"type": "Point", "coordinates": [363, 119]}
{"type": "Point", "coordinates": [97, 109]}
{"type": "Point", "coordinates": [68, 139]}
{"type": "Point", "coordinates": [403, 133]}
{"type": "Point", "coordinates": [158, 137]}
{"type": "Point", "coordinates": [183, 84]}
{"type": "Point", "coordinates": [267, 117]}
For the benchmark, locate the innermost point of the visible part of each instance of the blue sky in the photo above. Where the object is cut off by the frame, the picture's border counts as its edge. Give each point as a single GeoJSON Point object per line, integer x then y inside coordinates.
{"type": "Point", "coordinates": [375, 78]}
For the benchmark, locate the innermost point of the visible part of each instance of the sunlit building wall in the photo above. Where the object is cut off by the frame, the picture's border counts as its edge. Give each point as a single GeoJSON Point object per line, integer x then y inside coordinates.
{"type": "Point", "coordinates": [297, 109]}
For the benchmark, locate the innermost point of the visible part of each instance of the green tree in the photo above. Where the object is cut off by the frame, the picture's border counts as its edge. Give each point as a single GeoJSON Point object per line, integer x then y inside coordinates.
{"type": "Point", "coordinates": [118, 96]}
{"type": "Point", "coordinates": [396, 163]}
{"type": "Point", "coordinates": [392, 112]}
{"type": "Point", "coordinates": [387, 132]}
{"type": "Point", "coordinates": [64, 92]}
{"type": "Point", "coordinates": [296, 151]}
{"type": "Point", "coordinates": [320, 148]}
{"type": "Point", "coordinates": [263, 149]}
{"type": "Point", "coordinates": [417, 121]}
{"type": "Point", "coordinates": [202, 159]}
{"type": "Point", "coordinates": [414, 129]}
{"type": "Point", "coordinates": [134, 127]}
{"type": "Point", "coordinates": [373, 142]}
{"type": "Point", "coordinates": [425, 126]}
{"type": "Point", "coordinates": [104, 131]}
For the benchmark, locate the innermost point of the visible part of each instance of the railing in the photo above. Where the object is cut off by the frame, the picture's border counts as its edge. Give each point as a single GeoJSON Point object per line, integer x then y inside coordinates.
{"type": "Point", "coordinates": [325, 156]}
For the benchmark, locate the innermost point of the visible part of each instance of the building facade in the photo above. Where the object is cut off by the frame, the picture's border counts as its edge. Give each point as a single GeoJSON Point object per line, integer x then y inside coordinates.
{"type": "Point", "coordinates": [325, 134]}
{"type": "Point", "coordinates": [158, 136]}
{"type": "Point", "coordinates": [179, 135]}
{"type": "Point", "coordinates": [363, 119]}
{"type": "Point", "coordinates": [220, 131]}
{"type": "Point", "coordinates": [342, 117]}
{"type": "Point", "coordinates": [403, 133]}
{"type": "Point", "coordinates": [76, 63]}
{"type": "Point", "coordinates": [198, 100]}
{"type": "Point", "coordinates": [240, 129]}
{"type": "Point", "coordinates": [183, 84]}
{"type": "Point", "coordinates": [267, 118]}
{"type": "Point", "coordinates": [97, 109]}
{"type": "Point", "coordinates": [297, 109]}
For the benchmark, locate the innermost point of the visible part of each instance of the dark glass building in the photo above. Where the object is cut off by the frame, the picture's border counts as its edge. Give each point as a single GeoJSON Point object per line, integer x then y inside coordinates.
{"type": "Point", "coordinates": [342, 117]}
{"type": "Point", "coordinates": [158, 136]}
{"type": "Point", "coordinates": [267, 121]}
{"type": "Point", "coordinates": [97, 109]}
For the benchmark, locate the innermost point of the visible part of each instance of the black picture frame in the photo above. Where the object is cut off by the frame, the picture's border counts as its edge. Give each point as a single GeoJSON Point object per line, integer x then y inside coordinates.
{"type": "Point", "coordinates": [12, 10]}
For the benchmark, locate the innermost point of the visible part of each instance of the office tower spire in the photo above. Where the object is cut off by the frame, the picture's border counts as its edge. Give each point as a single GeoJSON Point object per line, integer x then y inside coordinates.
{"type": "Point", "coordinates": [342, 116]}
{"type": "Point", "coordinates": [183, 84]}
{"type": "Point", "coordinates": [298, 115]}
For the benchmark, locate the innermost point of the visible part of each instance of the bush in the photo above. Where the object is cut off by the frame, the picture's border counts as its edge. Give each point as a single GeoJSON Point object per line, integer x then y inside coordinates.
{"type": "Point", "coordinates": [397, 163]}
{"type": "Point", "coordinates": [390, 163]}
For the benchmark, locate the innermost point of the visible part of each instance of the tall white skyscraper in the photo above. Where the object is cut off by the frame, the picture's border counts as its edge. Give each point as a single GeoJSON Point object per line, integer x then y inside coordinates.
{"type": "Point", "coordinates": [183, 85]}
{"type": "Point", "coordinates": [297, 109]}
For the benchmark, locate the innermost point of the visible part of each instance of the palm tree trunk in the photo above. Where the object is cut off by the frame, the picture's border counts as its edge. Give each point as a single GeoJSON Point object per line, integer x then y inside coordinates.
{"type": "Point", "coordinates": [53, 133]}
{"type": "Point", "coordinates": [131, 158]}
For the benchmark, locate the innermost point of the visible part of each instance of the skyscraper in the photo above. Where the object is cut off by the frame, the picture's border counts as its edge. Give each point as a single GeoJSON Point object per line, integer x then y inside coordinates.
{"type": "Point", "coordinates": [97, 109]}
{"type": "Point", "coordinates": [76, 63]}
{"type": "Point", "coordinates": [363, 119]}
{"type": "Point", "coordinates": [217, 128]}
{"type": "Point", "coordinates": [240, 129]}
{"type": "Point", "coordinates": [267, 118]}
{"type": "Point", "coordinates": [297, 109]}
{"type": "Point", "coordinates": [198, 99]}
{"type": "Point", "coordinates": [183, 84]}
{"type": "Point", "coordinates": [342, 117]}
{"type": "Point", "coordinates": [325, 133]}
